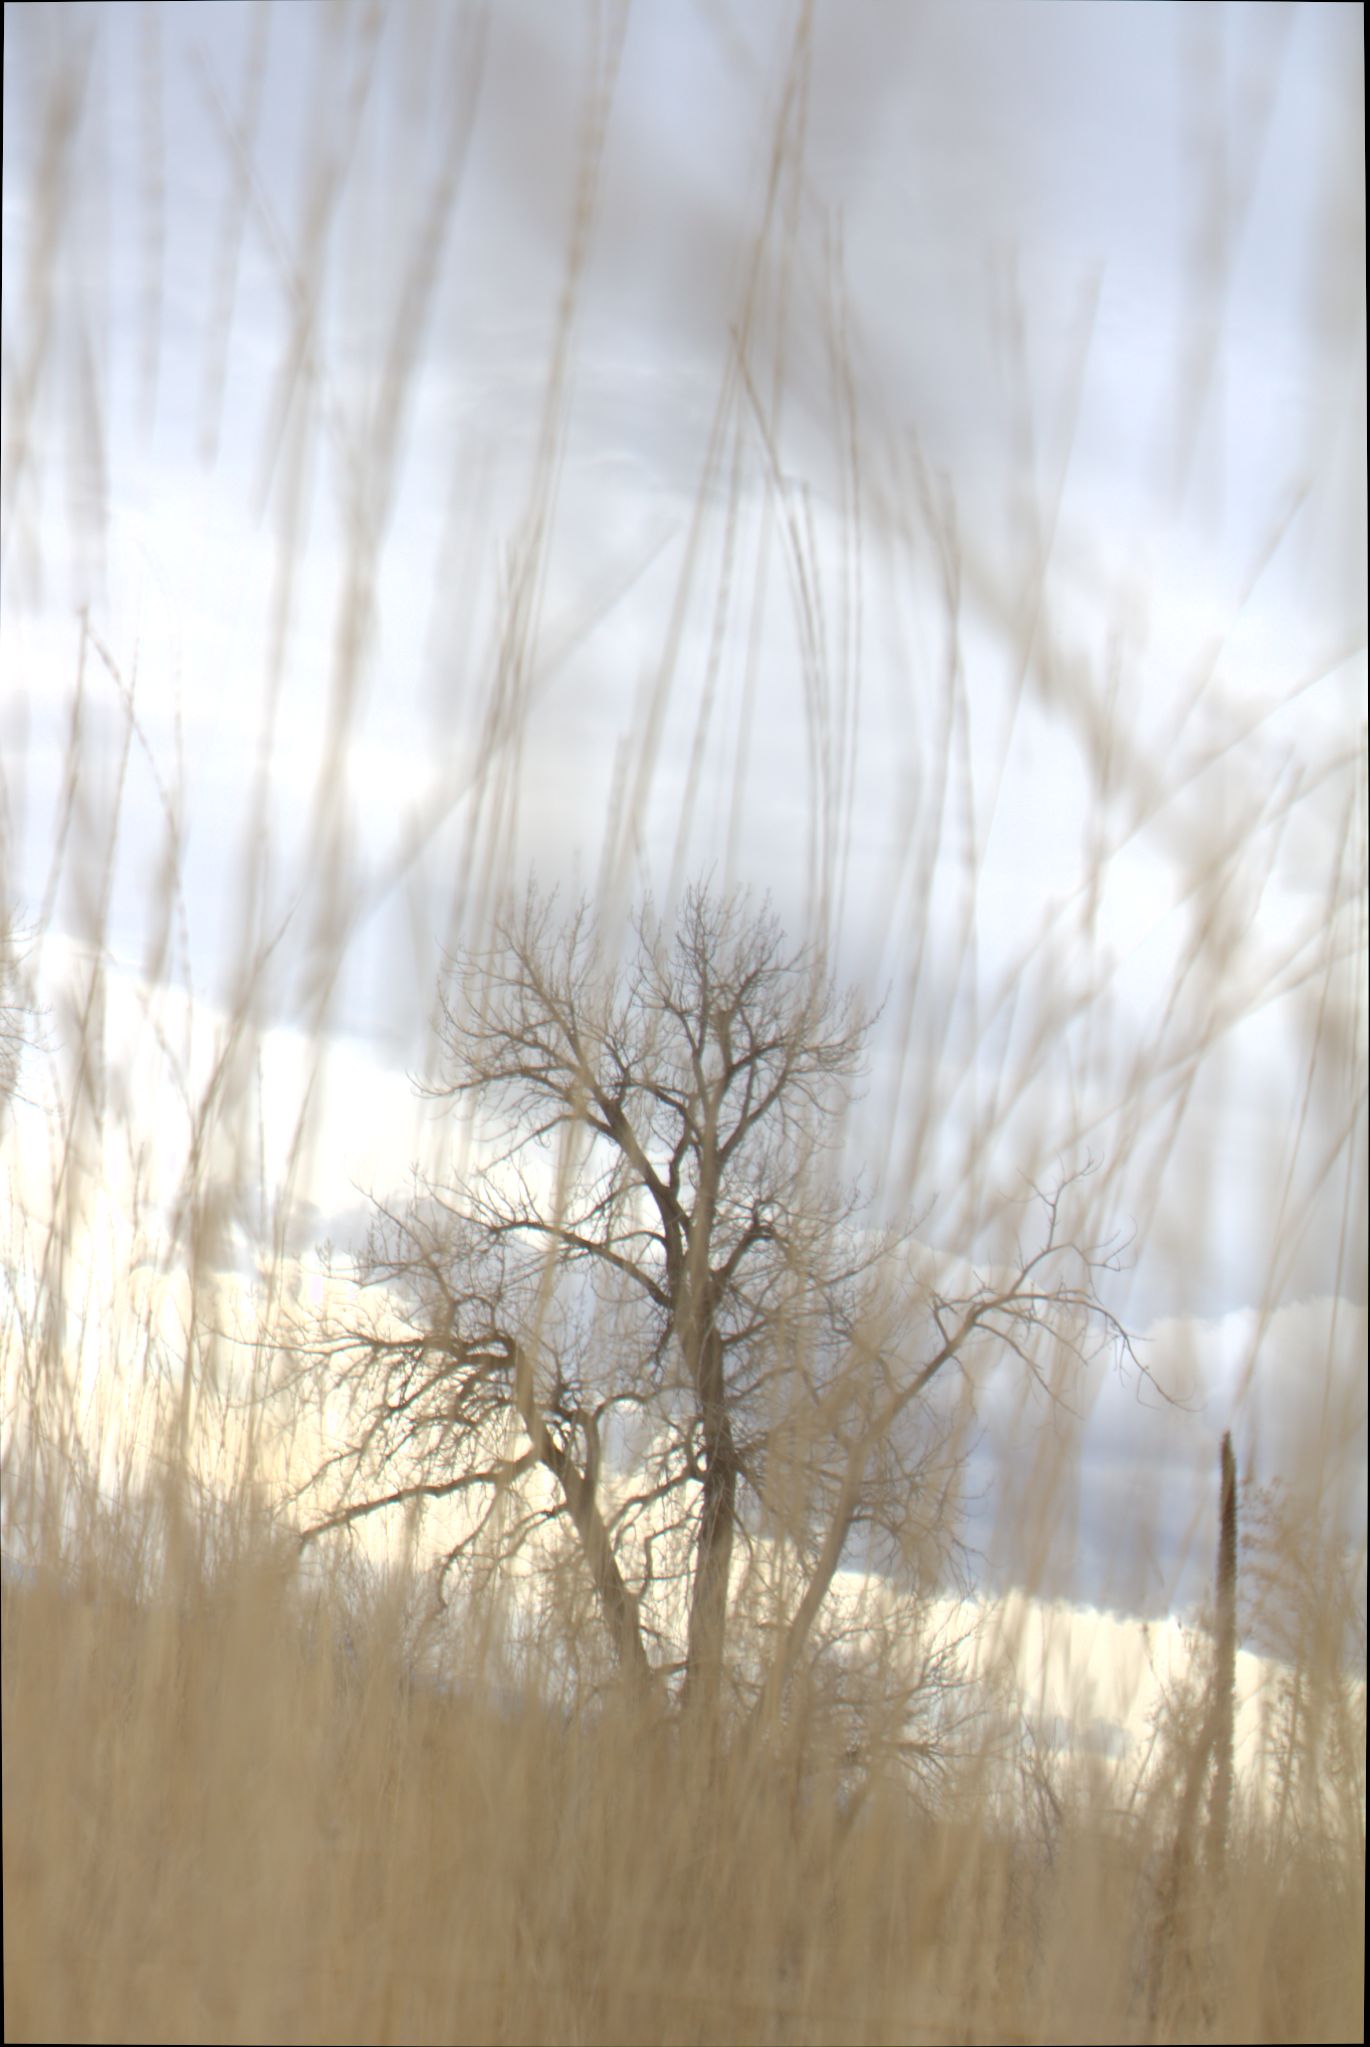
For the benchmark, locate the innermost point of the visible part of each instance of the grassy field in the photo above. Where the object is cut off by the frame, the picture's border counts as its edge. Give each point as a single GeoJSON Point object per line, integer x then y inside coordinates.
{"type": "Point", "coordinates": [347, 587]}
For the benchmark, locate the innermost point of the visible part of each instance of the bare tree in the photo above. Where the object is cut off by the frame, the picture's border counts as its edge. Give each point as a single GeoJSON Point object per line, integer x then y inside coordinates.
{"type": "Point", "coordinates": [653, 1318]}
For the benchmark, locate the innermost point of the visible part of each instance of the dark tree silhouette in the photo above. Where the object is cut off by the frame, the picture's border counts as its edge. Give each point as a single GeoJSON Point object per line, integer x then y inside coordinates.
{"type": "Point", "coordinates": [653, 1315]}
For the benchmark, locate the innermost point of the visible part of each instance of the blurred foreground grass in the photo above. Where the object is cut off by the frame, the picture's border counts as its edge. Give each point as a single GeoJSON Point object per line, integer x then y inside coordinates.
{"type": "Point", "coordinates": [253, 1796]}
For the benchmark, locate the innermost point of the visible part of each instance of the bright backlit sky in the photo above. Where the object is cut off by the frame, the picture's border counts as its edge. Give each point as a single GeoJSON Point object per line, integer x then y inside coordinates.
{"type": "Point", "coordinates": [1099, 270]}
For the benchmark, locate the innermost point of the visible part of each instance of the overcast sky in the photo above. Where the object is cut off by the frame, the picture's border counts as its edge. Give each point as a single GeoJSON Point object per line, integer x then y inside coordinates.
{"type": "Point", "coordinates": [1099, 277]}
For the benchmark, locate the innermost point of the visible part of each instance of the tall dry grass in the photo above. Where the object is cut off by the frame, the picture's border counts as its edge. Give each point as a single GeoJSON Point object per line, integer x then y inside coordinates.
{"type": "Point", "coordinates": [253, 1795]}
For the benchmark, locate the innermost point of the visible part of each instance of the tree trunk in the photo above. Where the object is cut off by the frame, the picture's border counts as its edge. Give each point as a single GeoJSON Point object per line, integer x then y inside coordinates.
{"type": "Point", "coordinates": [617, 1601]}
{"type": "Point", "coordinates": [714, 1551]}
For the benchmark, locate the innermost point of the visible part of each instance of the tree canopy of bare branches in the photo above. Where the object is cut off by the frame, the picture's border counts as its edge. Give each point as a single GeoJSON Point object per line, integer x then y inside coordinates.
{"type": "Point", "coordinates": [652, 1319]}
